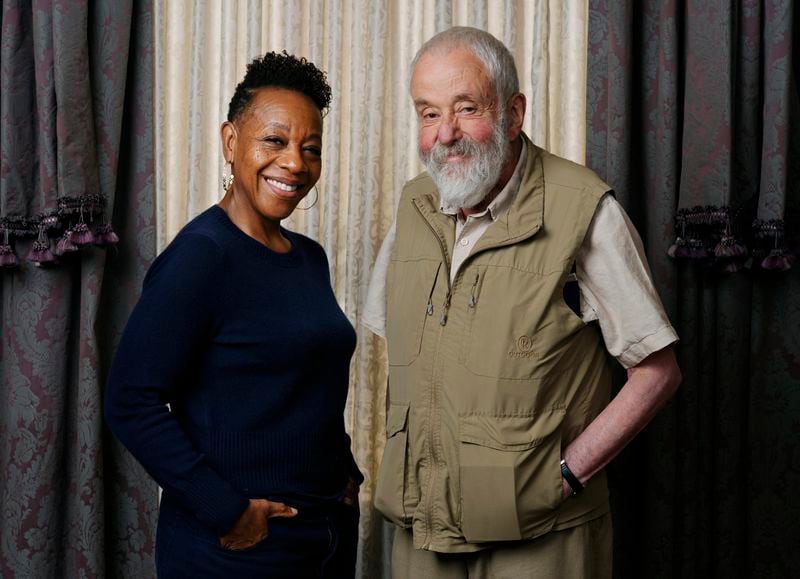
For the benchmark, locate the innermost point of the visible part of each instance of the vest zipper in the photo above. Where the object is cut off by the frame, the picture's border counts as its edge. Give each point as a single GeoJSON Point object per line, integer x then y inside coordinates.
{"type": "Point", "coordinates": [445, 309]}
{"type": "Point", "coordinates": [432, 405]}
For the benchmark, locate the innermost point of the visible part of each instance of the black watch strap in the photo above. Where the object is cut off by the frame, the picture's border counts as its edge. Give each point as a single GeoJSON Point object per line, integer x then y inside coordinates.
{"type": "Point", "coordinates": [571, 479]}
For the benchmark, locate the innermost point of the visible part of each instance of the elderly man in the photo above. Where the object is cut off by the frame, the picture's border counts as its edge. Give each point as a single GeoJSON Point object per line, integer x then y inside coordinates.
{"type": "Point", "coordinates": [499, 422]}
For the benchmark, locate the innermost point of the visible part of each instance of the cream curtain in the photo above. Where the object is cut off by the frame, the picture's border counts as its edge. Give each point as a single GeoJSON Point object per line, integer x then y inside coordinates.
{"type": "Point", "coordinates": [202, 48]}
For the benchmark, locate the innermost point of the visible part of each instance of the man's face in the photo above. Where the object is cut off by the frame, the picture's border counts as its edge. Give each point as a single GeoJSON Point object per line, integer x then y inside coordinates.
{"type": "Point", "coordinates": [462, 132]}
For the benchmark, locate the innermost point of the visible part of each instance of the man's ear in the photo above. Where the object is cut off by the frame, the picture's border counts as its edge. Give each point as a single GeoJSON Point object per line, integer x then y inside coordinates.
{"type": "Point", "coordinates": [227, 133]}
{"type": "Point", "coordinates": [516, 115]}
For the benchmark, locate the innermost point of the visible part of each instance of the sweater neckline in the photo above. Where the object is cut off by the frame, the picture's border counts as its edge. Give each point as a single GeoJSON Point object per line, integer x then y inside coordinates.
{"type": "Point", "coordinates": [292, 258]}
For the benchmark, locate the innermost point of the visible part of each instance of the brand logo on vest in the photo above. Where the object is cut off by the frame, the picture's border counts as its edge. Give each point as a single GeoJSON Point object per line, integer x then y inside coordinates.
{"type": "Point", "coordinates": [524, 348]}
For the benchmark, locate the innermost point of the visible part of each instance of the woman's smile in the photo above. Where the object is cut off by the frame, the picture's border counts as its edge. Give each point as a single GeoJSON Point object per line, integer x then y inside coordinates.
{"type": "Point", "coordinates": [283, 188]}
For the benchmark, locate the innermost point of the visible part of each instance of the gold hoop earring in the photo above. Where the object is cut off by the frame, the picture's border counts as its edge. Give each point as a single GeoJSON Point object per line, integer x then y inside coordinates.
{"type": "Point", "coordinates": [316, 198]}
{"type": "Point", "coordinates": [227, 180]}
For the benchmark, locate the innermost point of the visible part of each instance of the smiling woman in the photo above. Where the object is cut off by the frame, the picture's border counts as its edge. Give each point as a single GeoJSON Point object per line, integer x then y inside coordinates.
{"type": "Point", "coordinates": [274, 149]}
{"type": "Point", "coordinates": [239, 331]}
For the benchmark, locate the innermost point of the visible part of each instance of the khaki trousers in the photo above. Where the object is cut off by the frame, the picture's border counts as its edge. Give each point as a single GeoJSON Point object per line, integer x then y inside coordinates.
{"type": "Point", "coordinates": [582, 552]}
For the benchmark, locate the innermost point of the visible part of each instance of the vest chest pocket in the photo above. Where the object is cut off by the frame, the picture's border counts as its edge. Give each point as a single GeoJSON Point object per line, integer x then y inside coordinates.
{"type": "Point", "coordinates": [501, 339]}
{"type": "Point", "coordinates": [392, 492]}
{"type": "Point", "coordinates": [515, 325]}
{"type": "Point", "coordinates": [410, 290]}
{"type": "Point", "coordinates": [510, 475]}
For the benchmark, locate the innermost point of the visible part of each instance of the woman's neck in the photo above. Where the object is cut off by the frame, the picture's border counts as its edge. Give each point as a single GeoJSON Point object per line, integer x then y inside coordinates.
{"type": "Point", "coordinates": [264, 231]}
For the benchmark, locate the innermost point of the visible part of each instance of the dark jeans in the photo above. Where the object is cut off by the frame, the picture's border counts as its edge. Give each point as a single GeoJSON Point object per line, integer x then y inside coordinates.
{"type": "Point", "coordinates": [319, 543]}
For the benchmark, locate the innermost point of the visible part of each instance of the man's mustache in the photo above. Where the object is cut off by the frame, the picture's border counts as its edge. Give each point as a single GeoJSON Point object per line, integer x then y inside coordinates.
{"type": "Point", "coordinates": [464, 147]}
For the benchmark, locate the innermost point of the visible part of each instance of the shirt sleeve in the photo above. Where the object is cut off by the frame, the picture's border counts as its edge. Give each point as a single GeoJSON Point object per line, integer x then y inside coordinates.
{"type": "Point", "coordinates": [163, 339]}
{"type": "Point", "coordinates": [617, 289]}
{"type": "Point", "coordinates": [374, 315]}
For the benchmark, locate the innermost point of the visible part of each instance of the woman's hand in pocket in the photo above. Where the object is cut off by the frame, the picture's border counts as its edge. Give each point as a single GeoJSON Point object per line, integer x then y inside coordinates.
{"type": "Point", "coordinates": [252, 527]}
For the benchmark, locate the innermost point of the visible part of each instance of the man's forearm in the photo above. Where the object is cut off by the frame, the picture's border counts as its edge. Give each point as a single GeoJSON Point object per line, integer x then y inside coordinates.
{"type": "Point", "coordinates": [650, 384]}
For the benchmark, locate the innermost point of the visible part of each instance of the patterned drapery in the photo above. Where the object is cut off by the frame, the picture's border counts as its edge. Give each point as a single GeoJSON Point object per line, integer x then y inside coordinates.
{"type": "Point", "coordinates": [49, 182]}
{"type": "Point", "coordinates": [692, 109]}
{"type": "Point", "coordinates": [76, 147]}
{"type": "Point", "coordinates": [369, 140]}
{"type": "Point", "coordinates": [719, 95]}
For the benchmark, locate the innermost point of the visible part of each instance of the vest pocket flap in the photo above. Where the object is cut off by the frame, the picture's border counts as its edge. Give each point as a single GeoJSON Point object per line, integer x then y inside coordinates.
{"type": "Point", "coordinates": [397, 419]}
{"type": "Point", "coordinates": [511, 433]}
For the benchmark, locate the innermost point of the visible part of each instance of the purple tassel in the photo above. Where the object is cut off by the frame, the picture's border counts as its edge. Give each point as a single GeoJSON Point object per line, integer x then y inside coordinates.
{"type": "Point", "coordinates": [691, 248]}
{"type": "Point", "coordinates": [698, 252]}
{"type": "Point", "coordinates": [104, 236]}
{"type": "Point", "coordinates": [81, 235]}
{"type": "Point", "coordinates": [777, 260]}
{"type": "Point", "coordinates": [678, 249]}
{"type": "Point", "coordinates": [40, 254]}
{"type": "Point", "coordinates": [729, 247]}
{"type": "Point", "coordinates": [65, 244]}
{"type": "Point", "coordinates": [8, 258]}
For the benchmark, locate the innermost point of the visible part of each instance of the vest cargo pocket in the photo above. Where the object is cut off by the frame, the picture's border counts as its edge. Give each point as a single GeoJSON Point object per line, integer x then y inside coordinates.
{"type": "Point", "coordinates": [510, 476]}
{"type": "Point", "coordinates": [390, 492]}
{"type": "Point", "coordinates": [409, 292]}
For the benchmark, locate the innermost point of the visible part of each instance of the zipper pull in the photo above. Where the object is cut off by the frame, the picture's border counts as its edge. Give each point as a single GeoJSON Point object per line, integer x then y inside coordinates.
{"type": "Point", "coordinates": [429, 307]}
{"type": "Point", "coordinates": [445, 308]}
{"type": "Point", "coordinates": [471, 302]}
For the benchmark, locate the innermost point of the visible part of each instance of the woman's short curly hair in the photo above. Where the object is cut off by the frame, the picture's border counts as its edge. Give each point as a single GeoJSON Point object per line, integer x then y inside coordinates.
{"type": "Point", "coordinates": [281, 70]}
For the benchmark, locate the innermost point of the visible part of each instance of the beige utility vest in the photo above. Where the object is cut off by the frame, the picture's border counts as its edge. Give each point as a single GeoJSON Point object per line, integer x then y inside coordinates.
{"type": "Point", "coordinates": [493, 375]}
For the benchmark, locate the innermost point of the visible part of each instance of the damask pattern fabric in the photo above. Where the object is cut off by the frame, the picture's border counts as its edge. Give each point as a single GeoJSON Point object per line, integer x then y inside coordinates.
{"type": "Point", "coordinates": [692, 105]}
{"type": "Point", "coordinates": [76, 111]}
{"type": "Point", "coordinates": [719, 83]}
{"type": "Point", "coordinates": [49, 179]}
{"type": "Point", "coordinates": [369, 143]}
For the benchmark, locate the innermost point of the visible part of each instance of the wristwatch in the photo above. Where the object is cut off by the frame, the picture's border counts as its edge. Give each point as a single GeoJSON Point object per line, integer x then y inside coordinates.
{"type": "Point", "coordinates": [571, 479]}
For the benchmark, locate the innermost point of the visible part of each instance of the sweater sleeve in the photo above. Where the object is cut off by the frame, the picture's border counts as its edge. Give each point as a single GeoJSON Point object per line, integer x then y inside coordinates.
{"type": "Point", "coordinates": [166, 333]}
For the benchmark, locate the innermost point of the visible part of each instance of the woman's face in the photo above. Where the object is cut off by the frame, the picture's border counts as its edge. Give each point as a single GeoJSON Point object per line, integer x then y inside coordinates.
{"type": "Point", "coordinates": [275, 152]}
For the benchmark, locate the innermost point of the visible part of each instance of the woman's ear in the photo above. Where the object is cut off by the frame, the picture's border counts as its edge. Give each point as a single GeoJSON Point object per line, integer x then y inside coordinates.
{"type": "Point", "coordinates": [227, 133]}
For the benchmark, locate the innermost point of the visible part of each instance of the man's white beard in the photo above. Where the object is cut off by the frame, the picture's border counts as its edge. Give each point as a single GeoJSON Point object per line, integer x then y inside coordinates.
{"type": "Point", "coordinates": [466, 184]}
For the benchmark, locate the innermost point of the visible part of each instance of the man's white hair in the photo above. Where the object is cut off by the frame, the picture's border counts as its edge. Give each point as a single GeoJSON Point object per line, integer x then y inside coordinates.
{"type": "Point", "coordinates": [489, 50]}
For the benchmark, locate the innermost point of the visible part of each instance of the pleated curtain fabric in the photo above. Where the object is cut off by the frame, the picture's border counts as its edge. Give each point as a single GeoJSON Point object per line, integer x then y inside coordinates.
{"type": "Point", "coordinates": [693, 107]}
{"type": "Point", "coordinates": [76, 93]}
{"type": "Point", "coordinates": [712, 84]}
{"type": "Point", "coordinates": [369, 145]}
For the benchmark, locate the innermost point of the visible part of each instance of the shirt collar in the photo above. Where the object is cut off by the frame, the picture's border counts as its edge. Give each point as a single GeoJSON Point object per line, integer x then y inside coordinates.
{"type": "Point", "coordinates": [500, 204]}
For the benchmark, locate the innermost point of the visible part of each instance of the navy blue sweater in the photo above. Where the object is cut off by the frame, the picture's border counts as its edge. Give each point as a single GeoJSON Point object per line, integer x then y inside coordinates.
{"type": "Point", "coordinates": [252, 353]}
